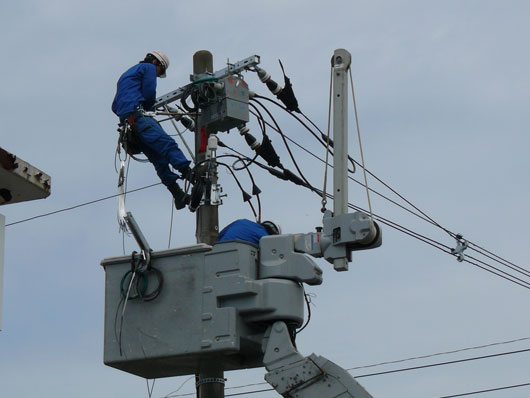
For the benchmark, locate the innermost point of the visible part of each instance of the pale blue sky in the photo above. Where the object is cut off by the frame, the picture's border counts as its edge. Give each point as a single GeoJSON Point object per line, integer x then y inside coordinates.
{"type": "Point", "coordinates": [442, 94]}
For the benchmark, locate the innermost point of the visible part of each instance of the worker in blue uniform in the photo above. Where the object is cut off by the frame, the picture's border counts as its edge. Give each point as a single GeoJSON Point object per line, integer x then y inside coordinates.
{"type": "Point", "coordinates": [248, 231]}
{"type": "Point", "coordinates": [136, 93]}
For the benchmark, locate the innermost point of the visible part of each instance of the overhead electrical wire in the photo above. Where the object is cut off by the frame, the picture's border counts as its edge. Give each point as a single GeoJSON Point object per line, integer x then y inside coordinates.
{"type": "Point", "coordinates": [286, 144]}
{"type": "Point", "coordinates": [394, 225]}
{"type": "Point", "coordinates": [431, 242]}
{"type": "Point", "coordinates": [81, 205]}
{"type": "Point", "coordinates": [427, 240]}
{"type": "Point", "coordinates": [445, 363]}
{"type": "Point", "coordinates": [431, 220]}
{"type": "Point", "coordinates": [445, 396]}
{"type": "Point", "coordinates": [485, 391]}
{"type": "Point", "coordinates": [442, 363]}
{"type": "Point", "coordinates": [492, 269]}
{"type": "Point", "coordinates": [351, 178]}
{"type": "Point", "coordinates": [425, 217]}
{"type": "Point", "coordinates": [479, 347]}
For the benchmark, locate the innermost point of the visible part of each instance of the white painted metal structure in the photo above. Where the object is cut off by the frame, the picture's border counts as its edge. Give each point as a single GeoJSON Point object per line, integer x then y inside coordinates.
{"type": "Point", "coordinates": [2, 245]}
{"type": "Point", "coordinates": [20, 181]}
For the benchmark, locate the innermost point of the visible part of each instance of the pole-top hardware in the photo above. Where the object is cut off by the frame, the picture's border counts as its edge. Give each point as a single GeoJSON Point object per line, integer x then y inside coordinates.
{"type": "Point", "coordinates": [461, 245]}
{"type": "Point", "coordinates": [341, 59]}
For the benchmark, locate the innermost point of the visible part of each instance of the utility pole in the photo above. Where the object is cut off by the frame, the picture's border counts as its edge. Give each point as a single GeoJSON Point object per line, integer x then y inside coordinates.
{"type": "Point", "coordinates": [207, 227]}
{"type": "Point", "coordinates": [340, 62]}
{"type": "Point", "coordinates": [210, 381]}
{"type": "Point", "coordinates": [229, 305]}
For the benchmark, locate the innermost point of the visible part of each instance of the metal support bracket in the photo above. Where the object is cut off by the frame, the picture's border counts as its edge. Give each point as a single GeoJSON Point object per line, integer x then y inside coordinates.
{"type": "Point", "coordinates": [340, 235]}
{"type": "Point", "coordinates": [231, 69]}
{"type": "Point", "coordinates": [294, 376]}
{"type": "Point", "coordinates": [139, 238]}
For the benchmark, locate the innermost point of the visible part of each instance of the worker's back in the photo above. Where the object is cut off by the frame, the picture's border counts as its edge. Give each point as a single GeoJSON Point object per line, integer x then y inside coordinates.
{"type": "Point", "coordinates": [243, 229]}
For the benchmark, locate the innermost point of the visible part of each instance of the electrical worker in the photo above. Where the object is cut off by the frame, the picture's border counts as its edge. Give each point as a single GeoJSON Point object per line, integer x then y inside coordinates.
{"type": "Point", "coordinates": [136, 93]}
{"type": "Point", "coordinates": [248, 231]}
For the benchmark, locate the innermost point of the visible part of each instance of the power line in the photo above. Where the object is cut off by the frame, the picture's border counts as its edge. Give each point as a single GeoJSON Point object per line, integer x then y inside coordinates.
{"type": "Point", "coordinates": [442, 363]}
{"type": "Point", "coordinates": [484, 391]}
{"type": "Point", "coordinates": [441, 353]}
{"type": "Point", "coordinates": [387, 222]}
{"type": "Point", "coordinates": [445, 396]}
{"type": "Point", "coordinates": [496, 271]}
{"type": "Point", "coordinates": [423, 238]}
{"type": "Point", "coordinates": [427, 218]}
{"type": "Point", "coordinates": [250, 392]}
{"type": "Point", "coordinates": [81, 205]}
{"type": "Point", "coordinates": [405, 369]}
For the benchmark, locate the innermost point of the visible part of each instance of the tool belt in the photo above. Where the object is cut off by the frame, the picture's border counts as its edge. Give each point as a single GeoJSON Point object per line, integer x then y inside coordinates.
{"type": "Point", "coordinates": [129, 135]}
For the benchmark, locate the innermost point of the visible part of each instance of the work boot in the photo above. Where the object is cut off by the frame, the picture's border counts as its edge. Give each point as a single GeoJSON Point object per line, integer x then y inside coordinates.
{"type": "Point", "coordinates": [181, 197]}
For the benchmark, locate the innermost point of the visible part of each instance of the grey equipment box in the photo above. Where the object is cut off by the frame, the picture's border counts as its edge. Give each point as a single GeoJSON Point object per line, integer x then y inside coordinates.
{"type": "Point", "coordinates": [212, 308]}
{"type": "Point", "coordinates": [229, 109]}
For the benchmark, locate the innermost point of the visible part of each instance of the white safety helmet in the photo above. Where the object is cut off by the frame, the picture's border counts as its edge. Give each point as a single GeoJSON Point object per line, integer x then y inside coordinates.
{"type": "Point", "coordinates": [273, 228]}
{"type": "Point", "coordinates": [163, 59]}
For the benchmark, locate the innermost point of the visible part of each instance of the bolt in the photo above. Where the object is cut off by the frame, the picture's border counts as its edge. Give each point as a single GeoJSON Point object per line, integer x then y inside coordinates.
{"type": "Point", "coordinates": [276, 349]}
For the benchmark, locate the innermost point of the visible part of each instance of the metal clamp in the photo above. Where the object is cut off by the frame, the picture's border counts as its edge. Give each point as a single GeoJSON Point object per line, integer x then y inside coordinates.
{"type": "Point", "coordinates": [208, 380]}
{"type": "Point", "coordinates": [461, 245]}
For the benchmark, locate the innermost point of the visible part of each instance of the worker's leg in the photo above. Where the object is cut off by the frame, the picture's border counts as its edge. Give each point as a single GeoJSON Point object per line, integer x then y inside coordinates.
{"type": "Point", "coordinates": [153, 136]}
{"type": "Point", "coordinates": [168, 178]}
{"type": "Point", "coordinates": [162, 169]}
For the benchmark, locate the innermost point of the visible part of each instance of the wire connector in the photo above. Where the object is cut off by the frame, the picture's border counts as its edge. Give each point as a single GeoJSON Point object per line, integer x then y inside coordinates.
{"type": "Point", "coordinates": [461, 245]}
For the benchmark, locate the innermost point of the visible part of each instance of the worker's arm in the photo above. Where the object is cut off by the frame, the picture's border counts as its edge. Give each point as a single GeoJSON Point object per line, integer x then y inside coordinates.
{"type": "Point", "coordinates": [149, 86]}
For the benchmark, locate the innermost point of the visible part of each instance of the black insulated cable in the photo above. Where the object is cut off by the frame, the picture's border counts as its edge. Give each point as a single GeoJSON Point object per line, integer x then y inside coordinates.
{"type": "Point", "coordinates": [423, 216]}
{"type": "Point", "coordinates": [285, 94]}
{"type": "Point", "coordinates": [279, 130]}
{"type": "Point", "coordinates": [323, 139]}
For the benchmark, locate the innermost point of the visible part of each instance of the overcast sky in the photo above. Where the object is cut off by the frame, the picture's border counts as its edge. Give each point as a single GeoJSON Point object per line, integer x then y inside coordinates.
{"type": "Point", "coordinates": [442, 91]}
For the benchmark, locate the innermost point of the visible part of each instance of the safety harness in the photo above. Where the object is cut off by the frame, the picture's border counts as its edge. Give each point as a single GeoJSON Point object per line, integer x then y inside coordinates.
{"type": "Point", "coordinates": [129, 136]}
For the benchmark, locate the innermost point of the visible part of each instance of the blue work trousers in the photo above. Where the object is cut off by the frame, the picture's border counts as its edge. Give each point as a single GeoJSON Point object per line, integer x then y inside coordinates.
{"type": "Point", "coordinates": [160, 149]}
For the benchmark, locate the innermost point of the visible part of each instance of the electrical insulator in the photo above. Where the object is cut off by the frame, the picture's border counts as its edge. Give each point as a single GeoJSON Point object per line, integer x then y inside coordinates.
{"type": "Point", "coordinates": [212, 146]}
{"type": "Point", "coordinates": [265, 77]}
{"type": "Point", "coordinates": [243, 129]}
{"type": "Point", "coordinates": [188, 123]}
{"type": "Point", "coordinates": [218, 86]}
{"type": "Point", "coordinates": [252, 142]}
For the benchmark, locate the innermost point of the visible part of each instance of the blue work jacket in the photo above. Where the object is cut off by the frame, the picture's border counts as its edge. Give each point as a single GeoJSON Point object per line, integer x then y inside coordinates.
{"type": "Point", "coordinates": [137, 86]}
{"type": "Point", "coordinates": [243, 229]}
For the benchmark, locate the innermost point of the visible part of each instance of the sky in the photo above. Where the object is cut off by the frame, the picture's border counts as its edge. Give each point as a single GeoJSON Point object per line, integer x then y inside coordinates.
{"type": "Point", "coordinates": [442, 97]}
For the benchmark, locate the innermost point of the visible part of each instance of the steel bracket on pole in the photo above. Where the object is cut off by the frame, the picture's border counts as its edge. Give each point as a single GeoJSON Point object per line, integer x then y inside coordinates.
{"type": "Point", "coordinates": [294, 376]}
{"type": "Point", "coordinates": [231, 69]}
{"type": "Point", "coordinates": [139, 238]}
